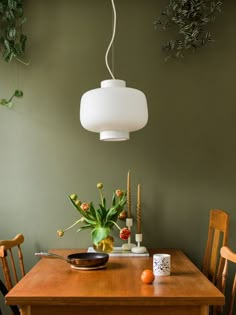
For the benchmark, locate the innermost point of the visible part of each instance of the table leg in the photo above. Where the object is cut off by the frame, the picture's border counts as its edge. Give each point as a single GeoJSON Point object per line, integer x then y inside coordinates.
{"type": "Point", "coordinates": [204, 310]}
{"type": "Point", "coordinates": [25, 310]}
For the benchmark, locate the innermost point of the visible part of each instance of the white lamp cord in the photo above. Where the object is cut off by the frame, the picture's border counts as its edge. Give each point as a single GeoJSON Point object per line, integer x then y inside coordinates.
{"type": "Point", "coordinates": [112, 39]}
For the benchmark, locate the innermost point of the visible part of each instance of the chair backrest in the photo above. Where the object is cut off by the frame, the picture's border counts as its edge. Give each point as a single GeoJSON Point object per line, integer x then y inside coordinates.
{"type": "Point", "coordinates": [4, 291]}
{"type": "Point", "coordinates": [228, 256]}
{"type": "Point", "coordinates": [218, 231]}
{"type": "Point", "coordinates": [12, 260]}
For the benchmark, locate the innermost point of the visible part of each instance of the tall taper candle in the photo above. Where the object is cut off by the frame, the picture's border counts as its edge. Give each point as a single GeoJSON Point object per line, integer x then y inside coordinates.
{"type": "Point", "coordinates": [128, 195]}
{"type": "Point", "coordinates": [139, 219]}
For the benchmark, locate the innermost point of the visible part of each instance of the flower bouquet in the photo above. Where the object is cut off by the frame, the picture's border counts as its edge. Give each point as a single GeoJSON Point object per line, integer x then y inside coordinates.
{"type": "Point", "coordinates": [100, 220]}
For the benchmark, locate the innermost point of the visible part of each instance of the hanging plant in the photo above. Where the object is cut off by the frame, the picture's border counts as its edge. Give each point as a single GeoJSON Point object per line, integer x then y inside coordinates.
{"type": "Point", "coordinates": [12, 38]}
{"type": "Point", "coordinates": [8, 102]}
{"type": "Point", "coordinates": [190, 20]}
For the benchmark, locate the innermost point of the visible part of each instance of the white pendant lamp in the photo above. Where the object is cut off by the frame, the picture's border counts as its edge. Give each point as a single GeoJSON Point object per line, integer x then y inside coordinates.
{"type": "Point", "coordinates": [113, 110]}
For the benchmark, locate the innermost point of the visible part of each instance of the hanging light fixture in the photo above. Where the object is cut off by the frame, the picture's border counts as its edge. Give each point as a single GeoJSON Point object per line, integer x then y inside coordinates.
{"type": "Point", "coordinates": [113, 110]}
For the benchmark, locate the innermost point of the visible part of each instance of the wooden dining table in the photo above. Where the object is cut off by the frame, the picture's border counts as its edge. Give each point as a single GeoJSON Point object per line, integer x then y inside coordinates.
{"type": "Point", "coordinates": [53, 287]}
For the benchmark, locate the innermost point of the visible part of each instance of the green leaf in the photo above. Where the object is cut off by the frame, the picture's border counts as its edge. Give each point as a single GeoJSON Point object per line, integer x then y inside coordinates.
{"type": "Point", "coordinates": [90, 221]}
{"type": "Point", "coordinates": [95, 214]}
{"type": "Point", "coordinates": [6, 103]}
{"type": "Point", "coordinates": [11, 4]}
{"type": "Point", "coordinates": [23, 20]}
{"type": "Point", "coordinates": [7, 44]}
{"type": "Point", "coordinates": [98, 234]}
{"type": "Point", "coordinates": [113, 201]}
{"type": "Point", "coordinates": [9, 104]}
{"type": "Point", "coordinates": [104, 202]}
{"type": "Point", "coordinates": [8, 55]}
{"type": "Point", "coordinates": [11, 34]}
{"type": "Point", "coordinates": [114, 212]}
{"type": "Point", "coordinates": [23, 39]}
{"type": "Point", "coordinates": [3, 101]}
{"type": "Point", "coordinates": [110, 213]}
{"type": "Point", "coordinates": [18, 93]}
{"type": "Point", "coordinates": [84, 227]}
{"type": "Point", "coordinates": [10, 15]}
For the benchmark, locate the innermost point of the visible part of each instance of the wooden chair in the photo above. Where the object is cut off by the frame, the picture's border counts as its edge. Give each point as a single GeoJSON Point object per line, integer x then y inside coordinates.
{"type": "Point", "coordinates": [218, 232]}
{"type": "Point", "coordinates": [4, 291]}
{"type": "Point", "coordinates": [12, 260]}
{"type": "Point", "coordinates": [228, 256]}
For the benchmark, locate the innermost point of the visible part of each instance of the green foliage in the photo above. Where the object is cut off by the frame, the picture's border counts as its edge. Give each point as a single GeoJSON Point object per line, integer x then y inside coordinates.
{"type": "Point", "coordinates": [99, 233]}
{"type": "Point", "coordinates": [102, 219]}
{"type": "Point", "coordinates": [189, 19]}
{"type": "Point", "coordinates": [12, 38]}
{"type": "Point", "coordinates": [8, 103]}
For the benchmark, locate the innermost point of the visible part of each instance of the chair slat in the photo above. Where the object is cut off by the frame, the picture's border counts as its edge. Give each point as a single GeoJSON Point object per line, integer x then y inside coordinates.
{"type": "Point", "coordinates": [10, 257]}
{"type": "Point", "coordinates": [214, 256]}
{"type": "Point", "coordinates": [218, 231]}
{"type": "Point", "coordinates": [222, 275]}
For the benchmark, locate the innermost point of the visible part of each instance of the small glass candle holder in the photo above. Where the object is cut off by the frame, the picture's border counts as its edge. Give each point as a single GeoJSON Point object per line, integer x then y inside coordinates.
{"type": "Point", "coordinates": [139, 249]}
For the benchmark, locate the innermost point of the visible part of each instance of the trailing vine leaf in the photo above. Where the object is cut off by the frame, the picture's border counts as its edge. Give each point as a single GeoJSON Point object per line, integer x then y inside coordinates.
{"type": "Point", "coordinates": [12, 38]}
{"type": "Point", "coordinates": [189, 19]}
{"type": "Point", "coordinates": [8, 103]}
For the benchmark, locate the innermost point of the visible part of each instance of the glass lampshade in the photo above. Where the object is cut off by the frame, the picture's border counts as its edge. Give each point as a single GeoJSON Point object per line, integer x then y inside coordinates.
{"type": "Point", "coordinates": [113, 110]}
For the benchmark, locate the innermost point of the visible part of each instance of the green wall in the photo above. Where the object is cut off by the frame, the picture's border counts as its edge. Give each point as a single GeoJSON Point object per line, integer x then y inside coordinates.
{"type": "Point", "coordinates": [184, 158]}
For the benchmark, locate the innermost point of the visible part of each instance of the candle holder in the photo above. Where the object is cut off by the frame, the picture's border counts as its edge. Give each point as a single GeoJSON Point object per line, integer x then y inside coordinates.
{"type": "Point", "coordinates": [129, 245]}
{"type": "Point", "coordinates": [139, 249]}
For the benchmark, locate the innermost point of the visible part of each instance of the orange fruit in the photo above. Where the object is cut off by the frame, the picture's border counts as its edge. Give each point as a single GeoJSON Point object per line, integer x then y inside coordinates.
{"type": "Point", "coordinates": [147, 276]}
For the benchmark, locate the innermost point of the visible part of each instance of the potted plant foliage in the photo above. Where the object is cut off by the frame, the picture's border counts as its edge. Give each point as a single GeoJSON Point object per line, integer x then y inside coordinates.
{"type": "Point", "coordinates": [12, 37]}
{"type": "Point", "coordinates": [190, 20]}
